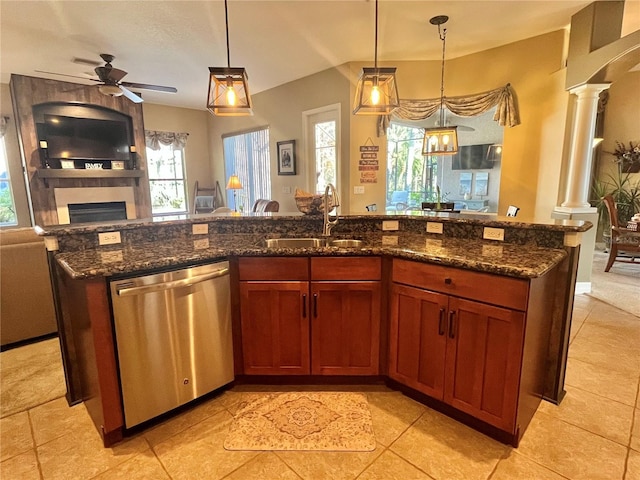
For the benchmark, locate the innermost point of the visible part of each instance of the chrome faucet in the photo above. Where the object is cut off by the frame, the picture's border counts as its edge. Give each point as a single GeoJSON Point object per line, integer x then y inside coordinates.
{"type": "Point", "coordinates": [335, 201]}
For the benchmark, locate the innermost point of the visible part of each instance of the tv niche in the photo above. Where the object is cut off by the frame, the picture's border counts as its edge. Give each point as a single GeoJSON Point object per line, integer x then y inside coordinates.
{"type": "Point", "coordinates": [84, 137]}
{"type": "Point", "coordinates": [472, 157]}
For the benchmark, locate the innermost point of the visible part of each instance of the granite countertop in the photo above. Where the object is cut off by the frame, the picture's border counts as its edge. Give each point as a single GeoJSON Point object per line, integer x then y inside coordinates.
{"type": "Point", "coordinates": [523, 261]}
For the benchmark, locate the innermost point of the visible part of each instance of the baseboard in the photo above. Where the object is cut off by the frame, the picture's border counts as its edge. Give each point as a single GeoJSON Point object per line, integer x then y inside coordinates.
{"type": "Point", "coordinates": [583, 287]}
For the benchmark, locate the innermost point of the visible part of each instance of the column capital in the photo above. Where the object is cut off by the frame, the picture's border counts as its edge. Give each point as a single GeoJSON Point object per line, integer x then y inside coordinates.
{"type": "Point", "coordinates": [589, 88]}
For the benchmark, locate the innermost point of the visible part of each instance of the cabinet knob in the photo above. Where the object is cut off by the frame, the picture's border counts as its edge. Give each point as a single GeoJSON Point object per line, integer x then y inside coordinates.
{"type": "Point", "coordinates": [447, 281]}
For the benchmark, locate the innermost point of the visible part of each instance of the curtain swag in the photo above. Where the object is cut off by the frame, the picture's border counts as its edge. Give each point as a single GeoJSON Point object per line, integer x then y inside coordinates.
{"type": "Point", "coordinates": [463, 106]}
{"type": "Point", "coordinates": [4, 122]}
{"type": "Point", "coordinates": [154, 139]}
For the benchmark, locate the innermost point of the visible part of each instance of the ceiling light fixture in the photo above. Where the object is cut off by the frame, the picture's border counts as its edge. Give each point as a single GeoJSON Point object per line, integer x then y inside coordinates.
{"type": "Point", "coordinates": [440, 140]}
{"type": "Point", "coordinates": [111, 90]}
{"type": "Point", "coordinates": [228, 87]}
{"type": "Point", "coordinates": [377, 90]}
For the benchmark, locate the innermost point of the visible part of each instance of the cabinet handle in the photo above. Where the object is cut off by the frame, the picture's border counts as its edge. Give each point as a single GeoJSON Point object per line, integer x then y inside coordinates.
{"type": "Point", "coordinates": [452, 320]}
{"type": "Point", "coordinates": [304, 305]}
{"type": "Point", "coordinates": [441, 322]}
{"type": "Point", "coordinates": [447, 281]}
{"type": "Point", "coordinates": [315, 305]}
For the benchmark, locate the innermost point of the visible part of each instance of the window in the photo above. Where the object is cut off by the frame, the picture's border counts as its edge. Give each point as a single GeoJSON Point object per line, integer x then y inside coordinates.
{"type": "Point", "coordinates": [411, 177]}
{"type": "Point", "coordinates": [7, 206]}
{"type": "Point", "coordinates": [167, 179]}
{"type": "Point", "coordinates": [247, 155]}
{"type": "Point", "coordinates": [322, 139]}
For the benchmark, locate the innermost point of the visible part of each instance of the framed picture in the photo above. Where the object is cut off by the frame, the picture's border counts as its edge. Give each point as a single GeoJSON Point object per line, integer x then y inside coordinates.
{"type": "Point", "coordinates": [287, 157]}
{"type": "Point", "coordinates": [465, 184]}
{"type": "Point", "coordinates": [481, 187]}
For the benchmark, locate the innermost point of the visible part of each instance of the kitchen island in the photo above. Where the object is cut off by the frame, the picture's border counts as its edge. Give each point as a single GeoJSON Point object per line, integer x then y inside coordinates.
{"type": "Point", "coordinates": [513, 295]}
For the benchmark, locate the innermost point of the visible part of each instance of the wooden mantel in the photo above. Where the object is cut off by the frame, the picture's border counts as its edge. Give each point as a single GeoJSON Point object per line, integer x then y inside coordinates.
{"type": "Point", "coordinates": [29, 91]}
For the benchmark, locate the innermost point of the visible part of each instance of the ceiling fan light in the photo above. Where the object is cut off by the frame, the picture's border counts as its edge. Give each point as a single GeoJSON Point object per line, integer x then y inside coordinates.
{"type": "Point", "coordinates": [440, 141]}
{"type": "Point", "coordinates": [229, 92]}
{"type": "Point", "coordinates": [376, 92]}
{"type": "Point", "coordinates": [111, 90]}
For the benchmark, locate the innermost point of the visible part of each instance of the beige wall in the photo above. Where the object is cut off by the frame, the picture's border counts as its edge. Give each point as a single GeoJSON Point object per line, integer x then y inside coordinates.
{"type": "Point", "coordinates": [193, 122]}
{"type": "Point", "coordinates": [15, 163]}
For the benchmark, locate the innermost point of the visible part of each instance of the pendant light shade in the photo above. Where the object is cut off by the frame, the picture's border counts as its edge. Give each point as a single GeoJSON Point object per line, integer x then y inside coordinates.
{"type": "Point", "coordinates": [228, 87]}
{"type": "Point", "coordinates": [377, 90]}
{"type": "Point", "coordinates": [440, 140]}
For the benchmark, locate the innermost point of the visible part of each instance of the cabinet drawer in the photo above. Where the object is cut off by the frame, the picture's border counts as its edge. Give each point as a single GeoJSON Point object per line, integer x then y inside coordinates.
{"type": "Point", "coordinates": [273, 268]}
{"type": "Point", "coordinates": [484, 287]}
{"type": "Point", "coordinates": [346, 268]}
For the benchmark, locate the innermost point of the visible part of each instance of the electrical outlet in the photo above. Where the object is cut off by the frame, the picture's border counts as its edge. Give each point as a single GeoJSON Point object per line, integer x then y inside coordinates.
{"type": "Point", "coordinates": [389, 240]}
{"type": "Point", "coordinates": [358, 190]}
{"type": "Point", "coordinates": [200, 243]}
{"type": "Point", "coordinates": [111, 257]}
{"type": "Point", "coordinates": [108, 238]}
{"type": "Point", "coordinates": [286, 190]}
{"type": "Point", "coordinates": [200, 228]}
{"type": "Point", "coordinates": [434, 227]}
{"type": "Point", "coordinates": [390, 225]}
{"type": "Point", "coordinates": [493, 233]}
{"type": "Point", "coordinates": [433, 243]}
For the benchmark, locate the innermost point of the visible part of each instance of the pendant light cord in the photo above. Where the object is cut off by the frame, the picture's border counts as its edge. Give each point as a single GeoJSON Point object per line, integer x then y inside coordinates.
{"type": "Point", "coordinates": [226, 27]}
{"type": "Point", "coordinates": [443, 36]}
{"type": "Point", "coordinates": [375, 54]}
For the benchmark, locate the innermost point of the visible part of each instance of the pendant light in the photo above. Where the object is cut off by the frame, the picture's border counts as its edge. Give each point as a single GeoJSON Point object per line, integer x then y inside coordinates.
{"type": "Point", "coordinates": [440, 140]}
{"type": "Point", "coordinates": [377, 90]}
{"type": "Point", "coordinates": [228, 87]}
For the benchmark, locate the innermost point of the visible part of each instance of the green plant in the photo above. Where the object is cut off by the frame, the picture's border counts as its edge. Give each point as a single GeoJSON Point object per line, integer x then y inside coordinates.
{"type": "Point", "coordinates": [626, 194]}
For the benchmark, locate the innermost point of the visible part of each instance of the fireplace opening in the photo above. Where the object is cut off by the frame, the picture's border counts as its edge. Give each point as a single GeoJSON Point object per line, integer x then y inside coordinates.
{"type": "Point", "coordinates": [97, 212]}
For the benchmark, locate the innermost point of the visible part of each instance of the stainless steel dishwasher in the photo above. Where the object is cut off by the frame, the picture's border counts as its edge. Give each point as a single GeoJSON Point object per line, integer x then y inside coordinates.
{"type": "Point", "coordinates": [173, 337]}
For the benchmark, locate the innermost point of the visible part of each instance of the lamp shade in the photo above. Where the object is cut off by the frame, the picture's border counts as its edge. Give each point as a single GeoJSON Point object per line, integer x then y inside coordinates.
{"type": "Point", "coordinates": [440, 141]}
{"type": "Point", "coordinates": [376, 92]}
{"type": "Point", "coordinates": [234, 183]}
{"type": "Point", "coordinates": [229, 92]}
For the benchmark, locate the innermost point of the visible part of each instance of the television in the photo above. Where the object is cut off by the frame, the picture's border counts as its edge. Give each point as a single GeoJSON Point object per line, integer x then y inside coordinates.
{"type": "Point", "coordinates": [472, 157]}
{"type": "Point", "coordinates": [89, 139]}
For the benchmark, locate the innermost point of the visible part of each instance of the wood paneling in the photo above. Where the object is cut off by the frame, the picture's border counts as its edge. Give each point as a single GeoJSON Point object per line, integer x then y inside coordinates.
{"type": "Point", "coordinates": [29, 91]}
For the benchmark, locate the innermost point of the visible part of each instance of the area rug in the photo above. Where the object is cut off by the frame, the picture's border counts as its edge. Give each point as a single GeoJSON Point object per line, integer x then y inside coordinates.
{"type": "Point", "coordinates": [328, 421]}
{"type": "Point", "coordinates": [619, 286]}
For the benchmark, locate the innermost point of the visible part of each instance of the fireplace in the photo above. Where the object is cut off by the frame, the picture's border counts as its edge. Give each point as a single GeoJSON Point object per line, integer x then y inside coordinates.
{"type": "Point", "coordinates": [101, 204]}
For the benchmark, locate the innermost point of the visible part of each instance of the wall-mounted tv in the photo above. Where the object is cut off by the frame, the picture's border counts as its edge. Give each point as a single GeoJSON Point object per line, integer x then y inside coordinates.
{"type": "Point", "coordinates": [76, 138]}
{"type": "Point", "coordinates": [471, 157]}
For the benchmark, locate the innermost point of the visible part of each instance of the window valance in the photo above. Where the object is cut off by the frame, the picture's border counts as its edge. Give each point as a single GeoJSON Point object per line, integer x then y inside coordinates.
{"type": "Point", "coordinates": [464, 106]}
{"type": "Point", "coordinates": [154, 139]}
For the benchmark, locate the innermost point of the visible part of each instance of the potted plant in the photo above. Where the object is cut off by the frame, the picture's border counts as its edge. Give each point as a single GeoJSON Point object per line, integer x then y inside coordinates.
{"type": "Point", "coordinates": [625, 191]}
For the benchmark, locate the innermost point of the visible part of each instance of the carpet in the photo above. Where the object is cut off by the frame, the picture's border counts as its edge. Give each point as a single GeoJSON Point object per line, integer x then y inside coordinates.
{"type": "Point", "coordinates": [619, 286]}
{"type": "Point", "coordinates": [328, 421]}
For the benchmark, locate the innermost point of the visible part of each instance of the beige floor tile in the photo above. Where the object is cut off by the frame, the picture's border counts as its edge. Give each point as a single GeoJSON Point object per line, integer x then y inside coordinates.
{"type": "Point", "coordinates": [20, 467]}
{"type": "Point", "coordinates": [81, 455]}
{"type": "Point", "coordinates": [182, 421]}
{"type": "Point", "coordinates": [593, 413]}
{"type": "Point", "coordinates": [390, 466]}
{"type": "Point", "coordinates": [577, 320]}
{"type": "Point", "coordinates": [392, 414]}
{"type": "Point", "coordinates": [620, 330]}
{"type": "Point", "coordinates": [635, 434]}
{"type": "Point", "coordinates": [448, 450]}
{"type": "Point", "coordinates": [619, 386]}
{"type": "Point", "coordinates": [264, 466]}
{"type": "Point", "coordinates": [620, 359]}
{"type": "Point", "coordinates": [31, 375]}
{"type": "Point", "coordinates": [56, 418]}
{"type": "Point", "coordinates": [15, 435]}
{"type": "Point", "coordinates": [329, 465]}
{"type": "Point", "coordinates": [198, 451]}
{"type": "Point", "coordinates": [143, 466]}
{"type": "Point", "coordinates": [519, 467]}
{"type": "Point", "coordinates": [572, 451]}
{"type": "Point", "coordinates": [633, 466]}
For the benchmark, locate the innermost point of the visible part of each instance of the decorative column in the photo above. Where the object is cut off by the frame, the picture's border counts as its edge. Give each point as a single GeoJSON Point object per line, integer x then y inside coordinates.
{"type": "Point", "coordinates": [581, 153]}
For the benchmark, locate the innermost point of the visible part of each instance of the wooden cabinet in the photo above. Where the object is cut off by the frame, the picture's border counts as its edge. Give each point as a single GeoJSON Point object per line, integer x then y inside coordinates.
{"type": "Point", "coordinates": [465, 353]}
{"type": "Point", "coordinates": [318, 315]}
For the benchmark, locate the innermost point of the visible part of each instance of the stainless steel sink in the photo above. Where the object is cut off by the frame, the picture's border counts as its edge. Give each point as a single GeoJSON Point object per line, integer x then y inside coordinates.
{"type": "Point", "coordinates": [346, 243]}
{"type": "Point", "coordinates": [295, 242]}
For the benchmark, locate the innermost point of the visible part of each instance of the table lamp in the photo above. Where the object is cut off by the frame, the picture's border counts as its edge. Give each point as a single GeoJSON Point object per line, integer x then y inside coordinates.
{"type": "Point", "coordinates": [234, 184]}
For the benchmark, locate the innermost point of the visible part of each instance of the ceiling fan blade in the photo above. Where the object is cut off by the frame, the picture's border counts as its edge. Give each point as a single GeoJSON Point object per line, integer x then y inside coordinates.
{"type": "Point", "coordinates": [115, 74]}
{"type": "Point", "coordinates": [158, 88]}
{"type": "Point", "coordinates": [85, 61]}
{"type": "Point", "coordinates": [65, 75]}
{"type": "Point", "coordinates": [130, 95]}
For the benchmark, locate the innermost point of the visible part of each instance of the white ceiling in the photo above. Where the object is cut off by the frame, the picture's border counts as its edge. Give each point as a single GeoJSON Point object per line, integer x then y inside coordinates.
{"type": "Point", "coordinates": [173, 42]}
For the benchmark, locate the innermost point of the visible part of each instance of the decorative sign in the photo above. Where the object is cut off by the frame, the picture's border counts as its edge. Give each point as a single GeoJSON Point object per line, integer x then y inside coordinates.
{"type": "Point", "coordinates": [368, 164]}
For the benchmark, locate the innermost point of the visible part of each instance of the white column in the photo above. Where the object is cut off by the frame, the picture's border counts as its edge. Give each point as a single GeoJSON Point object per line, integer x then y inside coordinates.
{"type": "Point", "coordinates": [581, 153]}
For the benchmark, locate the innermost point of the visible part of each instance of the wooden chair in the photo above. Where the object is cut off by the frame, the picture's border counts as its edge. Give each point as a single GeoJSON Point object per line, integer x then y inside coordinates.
{"type": "Point", "coordinates": [623, 240]}
{"type": "Point", "coordinates": [262, 205]}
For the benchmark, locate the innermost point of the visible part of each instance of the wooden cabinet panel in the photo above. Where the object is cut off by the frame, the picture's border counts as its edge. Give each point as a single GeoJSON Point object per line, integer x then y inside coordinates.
{"type": "Point", "coordinates": [346, 268]}
{"type": "Point", "coordinates": [485, 287]}
{"type": "Point", "coordinates": [345, 331]}
{"type": "Point", "coordinates": [274, 268]}
{"type": "Point", "coordinates": [418, 339]}
{"type": "Point", "coordinates": [275, 327]}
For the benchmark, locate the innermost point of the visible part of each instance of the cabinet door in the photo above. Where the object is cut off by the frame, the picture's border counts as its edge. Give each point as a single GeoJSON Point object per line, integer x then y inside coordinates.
{"type": "Point", "coordinates": [345, 328]}
{"type": "Point", "coordinates": [418, 339]}
{"type": "Point", "coordinates": [275, 327]}
{"type": "Point", "coordinates": [484, 351]}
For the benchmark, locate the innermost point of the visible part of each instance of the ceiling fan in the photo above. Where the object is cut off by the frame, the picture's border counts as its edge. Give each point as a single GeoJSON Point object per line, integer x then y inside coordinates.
{"type": "Point", "coordinates": [110, 80]}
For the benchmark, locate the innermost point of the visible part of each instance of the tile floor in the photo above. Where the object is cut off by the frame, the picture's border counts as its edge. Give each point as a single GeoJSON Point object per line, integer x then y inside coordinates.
{"type": "Point", "coordinates": [593, 434]}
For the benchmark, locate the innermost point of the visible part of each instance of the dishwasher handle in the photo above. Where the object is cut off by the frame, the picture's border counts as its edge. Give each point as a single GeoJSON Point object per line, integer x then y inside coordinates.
{"type": "Point", "coordinates": [184, 282]}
